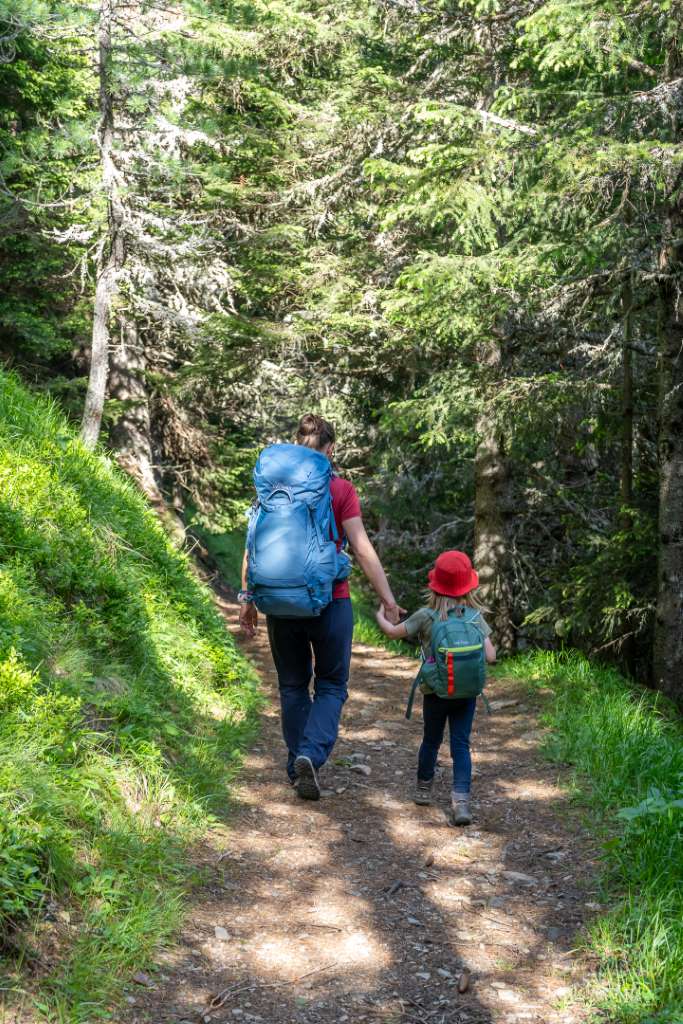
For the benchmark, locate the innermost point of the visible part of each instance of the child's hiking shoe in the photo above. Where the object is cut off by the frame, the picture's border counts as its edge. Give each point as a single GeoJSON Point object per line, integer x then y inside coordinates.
{"type": "Point", "coordinates": [423, 791]}
{"type": "Point", "coordinates": [461, 809]}
{"type": "Point", "coordinates": [307, 785]}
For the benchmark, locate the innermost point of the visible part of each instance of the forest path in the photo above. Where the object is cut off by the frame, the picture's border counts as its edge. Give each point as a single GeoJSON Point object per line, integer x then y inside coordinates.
{"type": "Point", "coordinates": [364, 907]}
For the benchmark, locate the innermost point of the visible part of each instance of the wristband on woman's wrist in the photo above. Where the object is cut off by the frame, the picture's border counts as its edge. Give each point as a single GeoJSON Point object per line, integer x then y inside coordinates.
{"type": "Point", "coordinates": [245, 597]}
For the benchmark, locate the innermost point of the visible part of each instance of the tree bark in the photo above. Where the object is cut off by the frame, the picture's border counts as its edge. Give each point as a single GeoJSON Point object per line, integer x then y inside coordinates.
{"type": "Point", "coordinates": [668, 645]}
{"type": "Point", "coordinates": [491, 511]}
{"type": "Point", "coordinates": [131, 435]}
{"type": "Point", "coordinates": [626, 475]}
{"type": "Point", "coordinates": [113, 260]}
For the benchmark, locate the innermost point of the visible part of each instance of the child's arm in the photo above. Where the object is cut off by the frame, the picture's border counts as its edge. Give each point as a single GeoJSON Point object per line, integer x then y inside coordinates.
{"type": "Point", "coordinates": [489, 651]}
{"type": "Point", "coordinates": [397, 632]}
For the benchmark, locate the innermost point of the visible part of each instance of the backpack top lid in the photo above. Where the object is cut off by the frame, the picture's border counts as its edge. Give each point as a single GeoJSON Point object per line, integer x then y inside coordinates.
{"type": "Point", "coordinates": [456, 627]}
{"type": "Point", "coordinates": [305, 472]}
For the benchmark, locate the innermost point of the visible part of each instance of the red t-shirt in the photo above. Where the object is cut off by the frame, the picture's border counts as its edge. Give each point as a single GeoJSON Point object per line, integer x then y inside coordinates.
{"type": "Point", "coordinates": [345, 505]}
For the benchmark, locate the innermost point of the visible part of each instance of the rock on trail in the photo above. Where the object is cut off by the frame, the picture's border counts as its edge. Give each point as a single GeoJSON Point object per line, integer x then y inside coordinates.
{"type": "Point", "coordinates": [364, 907]}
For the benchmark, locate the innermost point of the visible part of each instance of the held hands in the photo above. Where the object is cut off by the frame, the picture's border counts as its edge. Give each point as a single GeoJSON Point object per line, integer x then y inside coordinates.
{"type": "Point", "coordinates": [391, 612]}
{"type": "Point", "coordinates": [248, 620]}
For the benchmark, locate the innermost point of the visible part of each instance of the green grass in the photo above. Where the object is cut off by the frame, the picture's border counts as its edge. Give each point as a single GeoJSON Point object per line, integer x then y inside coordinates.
{"type": "Point", "coordinates": [626, 746]}
{"type": "Point", "coordinates": [227, 551]}
{"type": "Point", "coordinates": [366, 630]}
{"type": "Point", "coordinates": [124, 710]}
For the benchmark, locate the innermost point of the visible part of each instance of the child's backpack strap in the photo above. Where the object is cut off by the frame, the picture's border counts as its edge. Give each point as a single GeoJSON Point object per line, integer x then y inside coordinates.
{"type": "Point", "coordinates": [411, 695]}
{"type": "Point", "coordinates": [417, 680]}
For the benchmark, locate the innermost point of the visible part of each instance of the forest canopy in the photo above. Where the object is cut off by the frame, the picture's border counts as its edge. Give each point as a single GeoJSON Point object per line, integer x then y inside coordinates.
{"type": "Point", "coordinates": [454, 227]}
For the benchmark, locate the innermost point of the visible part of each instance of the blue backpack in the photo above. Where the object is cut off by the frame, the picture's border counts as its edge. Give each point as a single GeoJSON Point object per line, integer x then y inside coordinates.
{"type": "Point", "coordinates": [293, 562]}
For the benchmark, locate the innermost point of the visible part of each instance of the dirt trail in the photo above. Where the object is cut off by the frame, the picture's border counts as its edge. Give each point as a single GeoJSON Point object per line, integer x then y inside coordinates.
{"type": "Point", "coordinates": [364, 907]}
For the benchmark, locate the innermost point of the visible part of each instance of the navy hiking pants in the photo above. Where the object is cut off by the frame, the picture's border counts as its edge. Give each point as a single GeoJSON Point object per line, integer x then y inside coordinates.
{"type": "Point", "coordinates": [459, 713]}
{"type": "Point", "coordinates": [318, 647]}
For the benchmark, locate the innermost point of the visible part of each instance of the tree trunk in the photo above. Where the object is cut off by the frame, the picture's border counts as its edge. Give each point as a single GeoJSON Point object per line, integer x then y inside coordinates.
{"type": "Point", "coordinates": [112, 262]}
{"type": "Point", "coordinates": [131, 435]}
{"type": "Point", "coordinates": [668, 646]}
{"type": "Point", "coordinates": [626, 475]}
{"type": "Point", "coordinates": [491, 511]}
{"type": "Point", "coordinates": [627, 648]}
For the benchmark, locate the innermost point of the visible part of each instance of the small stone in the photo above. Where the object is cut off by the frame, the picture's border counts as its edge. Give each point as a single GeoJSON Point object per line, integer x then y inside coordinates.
{"type": "Point", "coordinates": [143, 979]}
{"type": "Point", "coordinates": [221, 933]}
{"type": "Point", "coordinates": [428, 861]}
{"type": "Point", "coordinates": [498, 705]}
{"type": "Point", "coordinates": [508, 996]}
{"type": "Point", "coordinates": [362, 769]}
{"type": "Point", "coordinates": [340, 790]}
{"type": "Point", "coordinates": [554, 934]}
{"type": "Point", "coordinates": [518, 876]}
{"type": "Point", "coordinates": [131, 1000]}
{"type": "Point", "coordinates": [424, 975]}
{"type": "Point", "coordinates": [497, 902]}
{"type": "Point", "coordinates": [413, 920]}
{"type": "Point", "coordinates": [443, 972]}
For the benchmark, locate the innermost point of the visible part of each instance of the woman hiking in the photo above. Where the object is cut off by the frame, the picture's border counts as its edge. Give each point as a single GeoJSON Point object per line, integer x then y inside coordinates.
{"type": "Point", "coordinates": [318, 645]}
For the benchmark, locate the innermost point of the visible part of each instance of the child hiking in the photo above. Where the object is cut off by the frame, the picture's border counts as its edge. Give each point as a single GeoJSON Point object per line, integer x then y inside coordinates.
{"type": "Point", "coordinates": [455, 646]}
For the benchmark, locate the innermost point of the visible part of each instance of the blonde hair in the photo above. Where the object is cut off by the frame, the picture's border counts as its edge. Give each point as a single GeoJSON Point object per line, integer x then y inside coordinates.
{"type": "Point", "coordinates": [443, 604]}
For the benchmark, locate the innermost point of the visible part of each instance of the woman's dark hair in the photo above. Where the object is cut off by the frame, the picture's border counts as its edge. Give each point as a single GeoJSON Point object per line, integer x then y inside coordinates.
{"type": "Point", "coordinates": [315, 432]}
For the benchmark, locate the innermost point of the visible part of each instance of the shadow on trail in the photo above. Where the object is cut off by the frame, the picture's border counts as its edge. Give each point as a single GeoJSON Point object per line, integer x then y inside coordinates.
{"type": "Point", "coordinates": [363, 907]}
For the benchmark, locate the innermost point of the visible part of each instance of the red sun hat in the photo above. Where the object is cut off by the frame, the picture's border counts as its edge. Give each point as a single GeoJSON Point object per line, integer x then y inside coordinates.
{"type": "Point", "coordinates": [453, 575]}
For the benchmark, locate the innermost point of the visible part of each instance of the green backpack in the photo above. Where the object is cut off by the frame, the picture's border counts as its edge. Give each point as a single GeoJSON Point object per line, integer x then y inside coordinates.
{"type": "Point", "coordinates": [457, 667]}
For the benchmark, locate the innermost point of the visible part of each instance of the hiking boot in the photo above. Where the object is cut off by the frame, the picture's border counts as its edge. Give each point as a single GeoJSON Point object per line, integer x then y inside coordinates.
{"type": "Point", "coordinates": [423, 791]}
{"type": "Point", "coordinates": [307, 785]}
{"type": "Point", "coordinates": [461, 809]}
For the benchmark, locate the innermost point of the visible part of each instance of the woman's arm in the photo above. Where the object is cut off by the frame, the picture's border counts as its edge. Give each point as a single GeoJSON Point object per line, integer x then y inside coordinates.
{"type": "Point", "coordinates": [248, 612]}
{"type": "Point", "coordinates": [368, 560]}
{"type": "Point", "coordinates": [489, 651]}
{"type": "Point", "coordinates": [395, 632]}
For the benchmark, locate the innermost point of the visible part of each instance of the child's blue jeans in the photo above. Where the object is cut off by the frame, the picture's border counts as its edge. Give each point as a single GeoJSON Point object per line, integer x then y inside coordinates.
{"type": "Point", "coordinates": [459, 714]}
{"type": "Point", "coordinates": [321, 647]}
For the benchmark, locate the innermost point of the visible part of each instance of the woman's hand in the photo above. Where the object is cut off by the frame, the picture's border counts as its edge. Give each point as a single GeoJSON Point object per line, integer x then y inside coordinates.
{"type": "Point", "coordinates": [393, 612]}
{"type": "Point", "coordinates": [396, 631]}
{"type": "Point", "coordinates": [248, 619]}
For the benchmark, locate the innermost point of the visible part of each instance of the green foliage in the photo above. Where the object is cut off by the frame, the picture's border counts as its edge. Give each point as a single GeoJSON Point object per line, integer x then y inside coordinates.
{"type": "Point", "coordinates": [124, 706]}
{"type": "Point", "coordinates": [626, 746]}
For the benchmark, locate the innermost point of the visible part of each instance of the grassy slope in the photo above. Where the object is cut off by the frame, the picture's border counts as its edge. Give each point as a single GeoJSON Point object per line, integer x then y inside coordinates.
{"type": "Point", "coordinates": [627, 750]}
{"type": "Point", "coordinates": [124, 708]}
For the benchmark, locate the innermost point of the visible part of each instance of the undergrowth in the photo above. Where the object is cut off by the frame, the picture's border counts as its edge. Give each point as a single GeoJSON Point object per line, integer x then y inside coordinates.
{"type": "Point", "coordinates": [124, 709]}
{"type": "Point", "coordinates": [626, 746]}
{"type": "Point", "coordinates": [366, 630]}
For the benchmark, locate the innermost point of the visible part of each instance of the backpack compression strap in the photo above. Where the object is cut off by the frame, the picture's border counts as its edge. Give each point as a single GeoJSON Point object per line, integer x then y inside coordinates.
{"type": "Point", "coordinates": [411, 696]}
